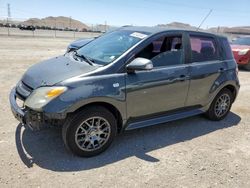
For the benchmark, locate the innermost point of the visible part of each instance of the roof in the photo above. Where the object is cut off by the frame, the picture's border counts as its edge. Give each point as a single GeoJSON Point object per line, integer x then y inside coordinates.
{"type": "Point", "coordinates": [155, 30]}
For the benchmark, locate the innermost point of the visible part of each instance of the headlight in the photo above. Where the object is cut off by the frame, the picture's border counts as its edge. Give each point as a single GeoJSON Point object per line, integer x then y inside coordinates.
{"type": "Point", "coordinates": [243, 52]}
{"type": "Point", "coordinates": [42, 96]}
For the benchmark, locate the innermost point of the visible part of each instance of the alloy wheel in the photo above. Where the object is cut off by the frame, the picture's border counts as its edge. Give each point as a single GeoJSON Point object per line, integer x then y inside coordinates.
{"type": "Point", "coordinates": [222, 105]}
{"type": "Point", "coordinates": [92, 133]}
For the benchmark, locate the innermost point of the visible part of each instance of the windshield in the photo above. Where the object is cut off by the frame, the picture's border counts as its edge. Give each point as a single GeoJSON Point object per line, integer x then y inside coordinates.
{"type": "Point", "coordinates": [242, 41]}
{"type": "Point", "coordinates": [110, 46]}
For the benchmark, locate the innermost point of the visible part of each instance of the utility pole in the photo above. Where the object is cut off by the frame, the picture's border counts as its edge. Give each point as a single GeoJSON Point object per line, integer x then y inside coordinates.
{"type": "Point", "coordinates": [33, 32]}
{"type": "Point", "coordinates": [8, 9]}
{"type": "Point", "coordinates": [8, 18]}
{"type": "Point", "coordinates": [70, 21]}
{"type": "Point", "coordinates": [92, 29]}
{"type": "Point", "coordinates": [105, 26]}
{"type": "Point", "coordinates": [55, 28]}
{"type": "Point", "coordinates": [218, 29]}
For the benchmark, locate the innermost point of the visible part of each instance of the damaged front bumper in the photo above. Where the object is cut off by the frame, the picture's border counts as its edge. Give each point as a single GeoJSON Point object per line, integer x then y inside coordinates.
{"type": "Point", "coordinates": [34, 120]}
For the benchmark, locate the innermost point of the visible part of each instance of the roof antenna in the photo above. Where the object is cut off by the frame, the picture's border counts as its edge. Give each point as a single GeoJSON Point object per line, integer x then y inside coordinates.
{"type": "Point", "coordinates": [211, 10]}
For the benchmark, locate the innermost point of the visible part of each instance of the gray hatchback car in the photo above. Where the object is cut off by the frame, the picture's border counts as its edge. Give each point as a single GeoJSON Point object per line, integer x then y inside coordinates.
{"type": "Point", "coordinates": [126, 79]}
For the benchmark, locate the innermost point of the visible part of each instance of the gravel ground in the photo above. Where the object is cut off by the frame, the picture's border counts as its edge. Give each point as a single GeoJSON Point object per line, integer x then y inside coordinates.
{"type": "Point", "coordinates": [193, 152]}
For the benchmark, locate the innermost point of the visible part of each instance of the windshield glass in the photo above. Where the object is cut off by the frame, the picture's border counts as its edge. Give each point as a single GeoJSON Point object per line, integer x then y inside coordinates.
{"type": "Point", "coordinates": [110, 46]}
{"type": "Point", "coordinates": [242, 41]}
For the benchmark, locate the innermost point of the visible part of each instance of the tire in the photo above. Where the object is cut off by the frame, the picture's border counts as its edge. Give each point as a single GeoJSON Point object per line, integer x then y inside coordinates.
{"type": "Point", "coordinates": [90, 131]}
{"type": "Point", "coordinates": [213, 111]}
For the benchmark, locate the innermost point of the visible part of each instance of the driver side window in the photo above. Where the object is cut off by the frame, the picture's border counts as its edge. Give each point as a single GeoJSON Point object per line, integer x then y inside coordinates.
{"type": "Point", "coordinates": [164, 51]}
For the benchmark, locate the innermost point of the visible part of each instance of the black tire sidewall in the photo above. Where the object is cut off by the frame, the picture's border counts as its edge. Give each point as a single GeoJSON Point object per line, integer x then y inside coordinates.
{"type": "Point", "coordinates": [211, 112]}
{"type": "Point", "coordinates": [71, 127]}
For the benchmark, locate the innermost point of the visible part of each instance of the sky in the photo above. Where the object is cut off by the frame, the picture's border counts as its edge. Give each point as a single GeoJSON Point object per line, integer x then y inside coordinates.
{"type": "Point", "coordinates": [136, 12]}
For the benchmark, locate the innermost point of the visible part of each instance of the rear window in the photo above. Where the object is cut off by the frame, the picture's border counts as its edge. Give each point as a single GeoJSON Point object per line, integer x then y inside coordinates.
{"type": "Point", "coordinates": [226, 49]}
{"type": "Point", "coordinates": [203, 49]}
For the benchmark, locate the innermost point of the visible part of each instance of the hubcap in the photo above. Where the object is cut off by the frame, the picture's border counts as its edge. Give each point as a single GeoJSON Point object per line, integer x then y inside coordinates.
{"type": "Point", "coordinates": [92, 133]}
{"type": "Point", "coordinates": [222, 105]}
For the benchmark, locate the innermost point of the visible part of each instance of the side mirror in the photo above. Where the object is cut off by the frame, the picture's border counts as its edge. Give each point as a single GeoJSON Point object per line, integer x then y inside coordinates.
{"type": "Point", "coordinates": [139, 64]}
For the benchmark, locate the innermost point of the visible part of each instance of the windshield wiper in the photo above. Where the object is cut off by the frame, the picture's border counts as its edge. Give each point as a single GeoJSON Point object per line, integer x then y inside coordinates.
{"type": "Point", "coordinates": [89, 61]}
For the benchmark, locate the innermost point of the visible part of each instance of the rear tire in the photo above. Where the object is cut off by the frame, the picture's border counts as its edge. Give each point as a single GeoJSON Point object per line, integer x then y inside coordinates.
{"type": "Point", "coordinates": [220, 106]}
{"type": "Point", "coordinates": [90, 131]}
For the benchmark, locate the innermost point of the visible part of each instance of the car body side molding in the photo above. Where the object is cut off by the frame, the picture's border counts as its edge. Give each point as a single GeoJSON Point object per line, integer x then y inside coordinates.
{"type": "Point", "coordinates": [164, 119]}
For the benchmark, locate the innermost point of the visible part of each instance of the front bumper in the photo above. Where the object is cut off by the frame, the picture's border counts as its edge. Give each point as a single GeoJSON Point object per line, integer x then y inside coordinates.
{"type": "Point", "coordinates": [34, 120]}
{"type": "Point", "coordinates": [18, 112]}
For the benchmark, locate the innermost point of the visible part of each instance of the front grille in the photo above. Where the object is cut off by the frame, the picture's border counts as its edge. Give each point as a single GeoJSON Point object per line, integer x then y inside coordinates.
{"type": "Point", "coordinates": [23, 90]}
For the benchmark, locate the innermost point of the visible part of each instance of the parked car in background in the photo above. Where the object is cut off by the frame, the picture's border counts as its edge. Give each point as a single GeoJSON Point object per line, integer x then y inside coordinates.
{"type": "Point", "coordinates": [27, 27]}
{"type": "Point", "coordinates": [78, 44]}
{"type": "Point", "coordinates": [127, 79]}
{"type": "Point", "coordinates": [241, 51]}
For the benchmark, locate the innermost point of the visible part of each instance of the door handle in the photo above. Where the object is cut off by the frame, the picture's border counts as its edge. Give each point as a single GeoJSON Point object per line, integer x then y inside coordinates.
{"type": "Point", "coordinates": [182, 78]}
{"type": "Point", "coordinates": [221, 70]}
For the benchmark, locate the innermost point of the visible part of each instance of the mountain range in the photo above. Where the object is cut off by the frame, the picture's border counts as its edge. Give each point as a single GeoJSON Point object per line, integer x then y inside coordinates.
{"type": "Point", "coordinates": [67, 22]}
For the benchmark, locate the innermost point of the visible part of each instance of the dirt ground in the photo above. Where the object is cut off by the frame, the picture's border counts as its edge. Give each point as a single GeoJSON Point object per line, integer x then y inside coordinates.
{"type": "Point", "coordinates": [193, 152]}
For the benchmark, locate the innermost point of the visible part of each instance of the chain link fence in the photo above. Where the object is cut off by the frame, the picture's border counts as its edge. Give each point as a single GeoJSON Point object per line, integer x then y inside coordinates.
{"type": "Point", "coordinates": [56, 28]}
{"type": "Point", "coordinates": [8, 31]}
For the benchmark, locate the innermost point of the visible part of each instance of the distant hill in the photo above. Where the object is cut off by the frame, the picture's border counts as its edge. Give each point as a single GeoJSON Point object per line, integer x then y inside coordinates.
{"type": "Point", "coordinates": [62, 22]}
{"type": "Point", "coordinates": [178, 25]}
{"type": "Point", "coordinates": [238, 30]}
{"type": "Point", "coordinates": [232, 30]}
{"type": "Point", "coordinates": [58, 22]}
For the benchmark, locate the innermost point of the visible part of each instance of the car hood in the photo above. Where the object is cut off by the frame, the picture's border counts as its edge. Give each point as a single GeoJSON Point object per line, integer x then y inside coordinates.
{"type": "Point", "coordinates": [236, 47]}
{"type": "Point", "coordinates": [55, 70]}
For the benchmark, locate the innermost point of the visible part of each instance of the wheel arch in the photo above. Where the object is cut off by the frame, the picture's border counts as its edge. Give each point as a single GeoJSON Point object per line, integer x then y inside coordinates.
{"type": "Point", "coordinates": [233, 90]}
{"type": "Point", "coordinates": [110, 107]}
{"type": "Point", "coordinates": [231, 85]}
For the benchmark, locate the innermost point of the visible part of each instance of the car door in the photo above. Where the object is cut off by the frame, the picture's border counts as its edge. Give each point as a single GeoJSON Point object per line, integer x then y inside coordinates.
{"type": "Point", "coordinates": [205, 68]}
{"type": "Point", "coordinates": [162, 89]}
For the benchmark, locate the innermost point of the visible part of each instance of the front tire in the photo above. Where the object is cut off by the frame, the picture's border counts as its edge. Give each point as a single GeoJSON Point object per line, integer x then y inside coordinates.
{"type": "Point", "coordinates": [220, 106]}
{"type": "Point", "coordinates": [90, 131]}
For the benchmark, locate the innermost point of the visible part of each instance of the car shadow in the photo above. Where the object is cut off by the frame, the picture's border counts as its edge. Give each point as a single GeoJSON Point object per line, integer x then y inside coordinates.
{"type": "Point", "coordinates": [45, 148]}
{"type": "Point", "coordinates": [242, 69]}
